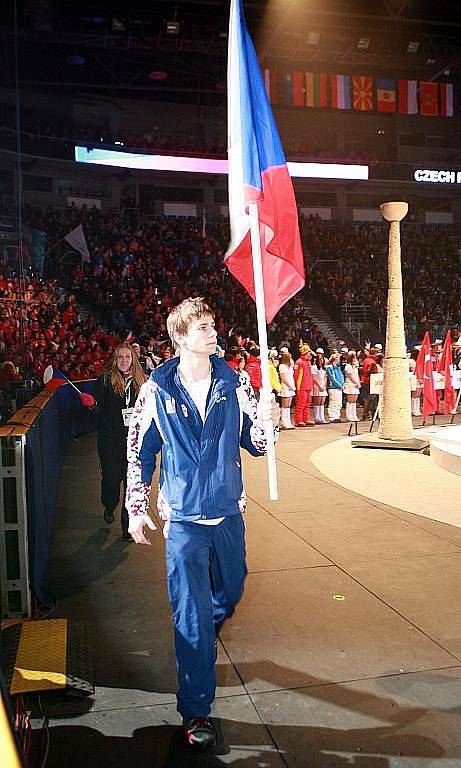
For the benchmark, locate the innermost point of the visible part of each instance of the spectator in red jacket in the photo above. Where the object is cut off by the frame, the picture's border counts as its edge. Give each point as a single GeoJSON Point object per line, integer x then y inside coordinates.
{"type": "Point", "coordinates": [369, 366]}
{"type": "Point", "coordinates": [253, 368]}
{"type": "Point", "coordinates": [304, 384]}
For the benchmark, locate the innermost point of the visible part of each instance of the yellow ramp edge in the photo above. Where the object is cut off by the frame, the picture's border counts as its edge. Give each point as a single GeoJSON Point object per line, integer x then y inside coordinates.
{"type": "Point", "coordinates": [41, 658]}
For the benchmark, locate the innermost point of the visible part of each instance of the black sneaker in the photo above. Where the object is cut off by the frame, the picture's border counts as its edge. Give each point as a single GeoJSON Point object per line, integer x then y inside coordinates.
{"type": "Point", "coordinates": [199, 732]}
{"type": "Point", "coordinates": [108, 516]}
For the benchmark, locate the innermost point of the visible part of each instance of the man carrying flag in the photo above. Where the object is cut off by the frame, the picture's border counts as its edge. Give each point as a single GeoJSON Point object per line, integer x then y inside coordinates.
{"type": "Point", "coordinates": [194, 411]}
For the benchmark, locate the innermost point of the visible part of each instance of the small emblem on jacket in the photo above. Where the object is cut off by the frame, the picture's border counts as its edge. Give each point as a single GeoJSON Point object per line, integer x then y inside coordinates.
{"type": "Point", "coordinates": [220, 399]}
{"type": "Point", "coordinates": [184, 410]}
{"type": "Point", "coordinates": [170, 406]}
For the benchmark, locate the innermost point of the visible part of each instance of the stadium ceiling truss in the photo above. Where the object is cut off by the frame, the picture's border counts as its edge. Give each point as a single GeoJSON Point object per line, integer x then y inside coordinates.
{"type": "Point", "coordinates": [110, 46]}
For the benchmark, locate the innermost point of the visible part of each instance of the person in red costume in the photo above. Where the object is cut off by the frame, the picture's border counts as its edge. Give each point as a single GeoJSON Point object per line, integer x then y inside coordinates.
{"type": "Point", "coordinates": [304, 384]}
{"type": "Point", "coordinates": [253, 369]}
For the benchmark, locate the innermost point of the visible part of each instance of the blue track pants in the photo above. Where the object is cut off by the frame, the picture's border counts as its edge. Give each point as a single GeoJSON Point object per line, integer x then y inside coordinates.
{"type": "Point", "coordinates": [206, 572]}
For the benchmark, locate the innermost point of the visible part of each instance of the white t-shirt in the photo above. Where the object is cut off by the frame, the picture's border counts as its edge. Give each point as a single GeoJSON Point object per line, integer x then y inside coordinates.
{"type": "Point", "coordinates": [198, 391]}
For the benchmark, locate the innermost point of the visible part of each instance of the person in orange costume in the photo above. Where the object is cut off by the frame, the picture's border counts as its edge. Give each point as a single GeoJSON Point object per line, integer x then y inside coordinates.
{"type": "Point", "coordinates": [304, 385]}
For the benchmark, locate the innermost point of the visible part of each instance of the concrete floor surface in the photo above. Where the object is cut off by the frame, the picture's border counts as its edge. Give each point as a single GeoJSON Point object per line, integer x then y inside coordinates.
{"type": "Point", "coordinates": [344, 651]}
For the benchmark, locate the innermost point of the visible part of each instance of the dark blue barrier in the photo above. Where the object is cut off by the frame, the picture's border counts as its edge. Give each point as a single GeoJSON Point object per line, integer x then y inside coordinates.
{"type": "Point", "coordinates": [62, 419]}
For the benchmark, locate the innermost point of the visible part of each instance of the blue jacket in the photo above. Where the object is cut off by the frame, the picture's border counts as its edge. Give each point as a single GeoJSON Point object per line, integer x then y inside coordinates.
{"type": "Point", "coordinates": [200, 474]}
{"type": "Point", "coordinates": [335, 376]}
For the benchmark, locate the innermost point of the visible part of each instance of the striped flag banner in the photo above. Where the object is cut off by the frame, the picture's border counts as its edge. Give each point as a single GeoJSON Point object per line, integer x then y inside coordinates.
{"type": "Point", "coordinates": [428, 98]}
{"type": "Point", "coordinates": [408, 103]}
{"type": "Point", "coordinates": [386, 95]}
{"type": "Point", "coordinates": [316, 89]}
{"type": "Point", "coordinates": [446, 99]}
{"type": "Point", "coordinates": [340, 90]}
{"type": "Point", "coordinates": [362, 92]}
{"type": "Point", "coordinates": [298, 89]}
{"type": "Point", "coordinates": [288, 89]}
{"type": "Point", "coordinates": [270, 81]}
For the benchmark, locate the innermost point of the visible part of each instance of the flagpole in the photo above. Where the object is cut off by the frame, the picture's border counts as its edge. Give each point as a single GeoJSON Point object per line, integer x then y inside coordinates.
{"type": "Point", "coordinates": [73, 385]}
{"type": "Point", "coordinates": [263, 346]}
{"type": "Point", "coordinates": [54, 245]}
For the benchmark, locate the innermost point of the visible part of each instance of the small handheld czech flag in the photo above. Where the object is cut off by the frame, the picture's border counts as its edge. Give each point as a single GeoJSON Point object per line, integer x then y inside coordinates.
{"type": "Point", "coordinates": [53, 378]}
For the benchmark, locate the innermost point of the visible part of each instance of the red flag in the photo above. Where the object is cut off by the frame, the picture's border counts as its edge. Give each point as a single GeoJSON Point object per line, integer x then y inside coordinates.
{"type": "Point", "coordinates": [445, 366]}
{"type": "Point", "coordinates": [362, 92]}
{"type": "Point", "coordinates": [446, 99]}
{"type": "Point", "coordinates": [428, 98]}
{"type": "Point", "coordinates": [408, 102]}
{"type": "Point", "coordinates": [298, 89]}
{"type": "Point", "coordinates": [424, 371]}
{"type": "Point", "coordinates": [419, 368]}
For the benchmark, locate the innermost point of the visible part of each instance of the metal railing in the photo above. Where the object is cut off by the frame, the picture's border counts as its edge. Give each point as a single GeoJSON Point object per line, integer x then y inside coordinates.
{"type": "Point", "coordinates": [362, 321]}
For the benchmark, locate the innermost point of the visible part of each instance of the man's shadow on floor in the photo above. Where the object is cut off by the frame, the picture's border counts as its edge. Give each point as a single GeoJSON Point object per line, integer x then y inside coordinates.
{"type": "Point", "coordinates": [93, 560]}
{"type": "Point", "coordinates": [258, 745]}
{"type": "Point", "coordinates": [241, 745]}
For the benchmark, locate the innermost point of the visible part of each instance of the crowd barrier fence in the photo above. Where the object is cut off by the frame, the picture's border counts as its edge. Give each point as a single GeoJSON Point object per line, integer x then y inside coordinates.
{"type": "Point", "coordinates": [33, 444]}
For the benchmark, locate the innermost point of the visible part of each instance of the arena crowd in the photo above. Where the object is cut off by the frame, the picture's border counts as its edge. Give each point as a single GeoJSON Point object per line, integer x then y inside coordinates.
{"type": "Point", "coordinates": [75, 315]}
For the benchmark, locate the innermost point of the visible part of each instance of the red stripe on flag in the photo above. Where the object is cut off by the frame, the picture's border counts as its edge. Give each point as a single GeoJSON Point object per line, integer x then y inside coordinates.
{"type": "Point", "coordinates": [298, 89]}
{"type": "Point", "coordinates": [281, 250]}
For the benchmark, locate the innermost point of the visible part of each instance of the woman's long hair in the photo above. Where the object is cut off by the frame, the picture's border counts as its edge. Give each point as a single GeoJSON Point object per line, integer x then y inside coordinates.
{"type": "Point", "coordinates": [117, 379]}
{"type": "Point", "coordinates": [320, 360]}
{"type": "Point", "coordinates": [286, 359]}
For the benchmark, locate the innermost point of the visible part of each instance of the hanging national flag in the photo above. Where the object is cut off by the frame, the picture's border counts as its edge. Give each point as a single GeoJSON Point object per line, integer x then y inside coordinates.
{"type": "Point", "coordinates": [386, 95]}
{"type": "Point", "coordinates": [258, 172]}
{"type": "Point", "coordinates": [316, 89]}
{"type": "Point", "coordinates": [362, 92]}
{"type": "Point", "coordinates": [446, 99]}
{"type": "Point", "coordinates": [340, 90]}
{"type": "Point", "coordinates": [445, 366]}
{"type": "Point", "coordinates": [288, 89]}
{"type": "Point", "coordinates": [428, 99]}
{"type": "Point", "coordinates": [203, 231]}
{"type": "Point", "coordinates": [408, 102]}
{"type": "Point", "coordinates": [424, 371]}
{"type": "Point", "coordinates": [77, 240]}
{"type": "Point", "coordinates": [298, 89]}
{"type": "Point", "coordinates": [53, 378]}
{"type": "Point", "coordinates": [270, 81]}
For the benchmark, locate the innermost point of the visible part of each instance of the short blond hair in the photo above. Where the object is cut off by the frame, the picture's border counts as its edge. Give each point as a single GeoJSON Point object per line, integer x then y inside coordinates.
{"type": "Point", "coordinates": [179, 320]}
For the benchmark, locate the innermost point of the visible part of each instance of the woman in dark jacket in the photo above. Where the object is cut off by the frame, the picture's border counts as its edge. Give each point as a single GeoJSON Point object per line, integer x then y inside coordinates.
{"type": "Point", "coordinates": [113, 398]}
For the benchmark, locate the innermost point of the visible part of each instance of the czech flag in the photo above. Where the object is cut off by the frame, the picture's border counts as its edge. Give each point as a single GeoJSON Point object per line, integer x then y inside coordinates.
{"type": "Point", "coordinates": [258, 172]}
{"type": "Point", "coordinates": [53, 379]}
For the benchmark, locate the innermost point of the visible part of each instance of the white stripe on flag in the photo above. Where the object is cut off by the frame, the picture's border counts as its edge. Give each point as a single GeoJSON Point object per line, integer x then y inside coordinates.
{"type": "Point", "coordinates": [412, 100]}
{"type": "Point", "coordinates": [341, 92]}
{"type": "Point", "coordinates": [47, 374]}
{"type": "Point", "coordinates": [449, 99]}
{"type": "Point", "coordinates": [239, 219]}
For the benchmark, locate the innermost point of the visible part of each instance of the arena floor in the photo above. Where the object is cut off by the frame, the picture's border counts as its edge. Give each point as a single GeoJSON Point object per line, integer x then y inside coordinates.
{"type": "Point", "coordinates": [345, 650]}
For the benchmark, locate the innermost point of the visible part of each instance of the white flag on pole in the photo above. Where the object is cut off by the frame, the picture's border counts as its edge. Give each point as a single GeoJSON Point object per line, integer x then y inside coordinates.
{"type": "Point", "coordinates": [77, 240]}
